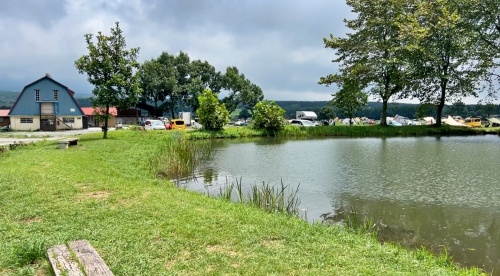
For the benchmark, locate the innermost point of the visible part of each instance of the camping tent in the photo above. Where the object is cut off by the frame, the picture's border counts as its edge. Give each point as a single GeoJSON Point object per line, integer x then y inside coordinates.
{"type": "Point", "coordinates": [495, 122]}
{"type": "Point", "coordinates": [450, 121]}
{"type": "Point", "coordinates": [430, 120]}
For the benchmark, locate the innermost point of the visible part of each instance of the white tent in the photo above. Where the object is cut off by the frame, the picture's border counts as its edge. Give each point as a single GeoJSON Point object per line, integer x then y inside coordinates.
{"type": "Point", "coordinates": [430, 120]}
{"type": "Point", "coordinates": [450, 121]}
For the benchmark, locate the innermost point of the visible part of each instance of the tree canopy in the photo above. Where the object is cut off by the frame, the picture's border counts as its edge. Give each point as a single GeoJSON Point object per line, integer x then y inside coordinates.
{"type": "Point", "coordinates": [212, 114]}
{"type": "Point", "coordinates": [372, 53]}
{"type": "Point", "coordinates": [269, 116]}
{"type": "Point", "coordinates": [446, 60]}
{"type": "Point", "coordinates": [436, 51]}
{"type": "Point", "coordinates": [111, 68]}
{"type": "Point", "coordinates": [241, 90]}
{"type": "Point", "coordinates": [350, 98]}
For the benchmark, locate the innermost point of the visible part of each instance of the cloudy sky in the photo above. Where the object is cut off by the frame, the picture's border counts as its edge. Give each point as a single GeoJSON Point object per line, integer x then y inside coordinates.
{"type": "Point", "coordinates": [277, 44]}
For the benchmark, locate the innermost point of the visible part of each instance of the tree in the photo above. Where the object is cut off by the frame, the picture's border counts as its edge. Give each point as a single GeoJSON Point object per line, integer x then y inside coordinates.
{"type": "Point", "coordinates": [482, 17]}
{"type": "Point", "coordinates": [153, 77]}
{"type": "Point", "coordinates": [212, 114]}
{"type": "Point", "coordinates": [268, 115]}
{"type": "Point", "coordinates": [458, 108]}
{"type": "Point", "coordinates": [327, 112]}
{"type": "Point", "coordinates": [202, 76]}
{"type": "Point", "coordinates": [245, 114]}
{"type": "Point", "coordinates": [174, 78]}
{"type": "Point", "coordinates": [110, 67]}
{"type": "Point", "coordinates": [241, 90]}
{"type": "Point", "coordinates": [350, 98]}
{"type": "Point", "coordinates": [447, 62]}
{"type": "Point", "coordinates": [372, 53]}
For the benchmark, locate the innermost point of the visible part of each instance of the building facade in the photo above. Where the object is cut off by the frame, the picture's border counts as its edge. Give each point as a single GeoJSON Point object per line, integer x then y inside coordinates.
{"type": "Point", "coordinates": [46, 105]}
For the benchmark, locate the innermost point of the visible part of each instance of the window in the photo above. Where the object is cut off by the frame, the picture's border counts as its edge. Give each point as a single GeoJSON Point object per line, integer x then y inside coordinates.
{"type": "Point", "coordinates": [37, 95]}
{"type": "Point", "coordinates": [56, 95]}
{"type": "Point", "coordinates": [68, 120]}
{"type": "Point", "coordinates": [1, 119]}
{"type": "Point", "coordinates": [26, 120]}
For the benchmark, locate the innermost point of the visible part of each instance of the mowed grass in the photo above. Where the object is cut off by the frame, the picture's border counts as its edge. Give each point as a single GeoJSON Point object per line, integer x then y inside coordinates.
{"type": "Point", "coordinates": [105, 191]}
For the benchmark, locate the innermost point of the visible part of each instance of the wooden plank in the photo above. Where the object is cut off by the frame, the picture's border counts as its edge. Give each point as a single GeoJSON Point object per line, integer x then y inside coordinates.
{"type": "Point", "coordinates": [92, 263]}
{"type": "Point", "coordinates": [62, 262]}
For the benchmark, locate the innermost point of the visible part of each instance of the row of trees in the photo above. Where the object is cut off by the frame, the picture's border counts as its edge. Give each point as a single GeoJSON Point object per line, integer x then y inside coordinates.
{"type": "Point", "coordinates": [176, 81]}
{"type": "Point", "coordinates": [435, 51]}
{"type": "Point", "coordinates": [119, 80]}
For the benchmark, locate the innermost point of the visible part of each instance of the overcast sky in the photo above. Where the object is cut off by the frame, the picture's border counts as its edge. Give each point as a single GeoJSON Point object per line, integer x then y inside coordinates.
{"type": "Point", "coordinates": [276, 44]}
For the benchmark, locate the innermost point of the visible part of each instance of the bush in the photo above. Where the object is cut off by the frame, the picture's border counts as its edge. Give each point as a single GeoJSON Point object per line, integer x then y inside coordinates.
{"type": "Point", "coordinates": [212, 114]}
{"type": "Point", "coordinates": [268, 115]}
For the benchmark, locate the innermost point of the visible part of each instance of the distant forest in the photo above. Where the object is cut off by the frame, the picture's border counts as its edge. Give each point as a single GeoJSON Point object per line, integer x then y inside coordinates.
{"type": "Point", "coordinates": [372, 110]}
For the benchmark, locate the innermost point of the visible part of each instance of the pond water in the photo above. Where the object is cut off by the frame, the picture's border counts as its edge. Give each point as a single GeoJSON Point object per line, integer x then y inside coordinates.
{"type": "Point", "coordinates": [441, 193]}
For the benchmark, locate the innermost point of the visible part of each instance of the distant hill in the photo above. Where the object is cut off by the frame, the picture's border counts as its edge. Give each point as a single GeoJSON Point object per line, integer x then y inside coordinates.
{"type": "Point", "coordinates": [7, 99]}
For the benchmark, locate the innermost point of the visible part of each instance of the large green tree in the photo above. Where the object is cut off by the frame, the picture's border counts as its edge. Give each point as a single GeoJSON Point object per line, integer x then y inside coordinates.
{"type": "Point", "coordinates": [111, 68]}
{"type": "Point", "coordinates": [483, 17]}
{"type": "Point", "coordinates": [153, 77]}
{"type": "Point", "coordinates": [350, 98]}
{"type": "Point", "coordinates": [447, 61]}
{"type": "Point", "coordinates": [202, 76]}
{"type": "Point", "coordinates": [174, 79]}
{"type": "Point", "coordinates": [372, 52]}
{"type": "Point", "coordinates": [241, 90]}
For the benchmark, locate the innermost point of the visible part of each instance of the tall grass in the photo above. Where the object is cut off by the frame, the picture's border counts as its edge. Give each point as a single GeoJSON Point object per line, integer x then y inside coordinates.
{"type": "Point", "coordinates": [178, 157]}
{"type": "Point", "coordinates": [337, 131]}
{"type": "Point", "coordinates": [375, 131]}
{"type": "Point", "coordinates": [359, 225]}
{"type": "Point", "coordinates": [228, 132]}
{"type": "Point", "coordinates": [273, 199]}
{"type": "Point", "coordinates": [350, 218]}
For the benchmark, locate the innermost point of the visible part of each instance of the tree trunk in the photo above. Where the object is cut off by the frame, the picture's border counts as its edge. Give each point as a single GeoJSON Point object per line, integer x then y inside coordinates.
{"type": "Point", "coordinates": [383, 118]}
{"type": "Point", "coordinates": [441, 102]}
{"type": "Point", "coordinates": [105, 129]}
{"type": "Point", "coordinates": [172, 112]}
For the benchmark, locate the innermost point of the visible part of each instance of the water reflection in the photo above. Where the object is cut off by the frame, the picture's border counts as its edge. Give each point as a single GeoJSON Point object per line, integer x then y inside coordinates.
{"type": "Point", "coordinates": [440, 193]}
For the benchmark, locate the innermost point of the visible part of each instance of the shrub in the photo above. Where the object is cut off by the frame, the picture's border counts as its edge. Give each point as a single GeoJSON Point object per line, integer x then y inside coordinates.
{"type": "Point", "coordinates": [212, 114]}
{"type": "Point", "coordinates": [268, 115]}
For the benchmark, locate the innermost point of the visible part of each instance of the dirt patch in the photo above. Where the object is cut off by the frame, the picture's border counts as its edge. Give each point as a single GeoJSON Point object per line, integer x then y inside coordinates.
{"type": "Point", "coordinates": [32, 220]}
{"type": "Point", "coordinates": [272, 243]}
{"type": "Point", "coordinates": [96, 195]}
{"type": "Point", "coordinates": [183, 256]}
{"type": "Point", "coordinates": [221, 249]}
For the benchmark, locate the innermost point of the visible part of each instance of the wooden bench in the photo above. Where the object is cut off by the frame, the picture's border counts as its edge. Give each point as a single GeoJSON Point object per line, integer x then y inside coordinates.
{"type": "Point", "coordinates": [63, 144]}
{"type": "Point", "coordinates": [78, 258]}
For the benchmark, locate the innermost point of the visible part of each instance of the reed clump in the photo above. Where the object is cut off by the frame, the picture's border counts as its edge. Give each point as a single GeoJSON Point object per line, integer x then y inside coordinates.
{"type": "Point", "coordinates": [177, 157]}
{"type": "Point", "coordinates": [270, 198]}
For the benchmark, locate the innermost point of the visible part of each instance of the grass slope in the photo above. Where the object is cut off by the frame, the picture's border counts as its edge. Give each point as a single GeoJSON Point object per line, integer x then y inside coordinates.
{"type": "Point", "coordinates": [104, 191]}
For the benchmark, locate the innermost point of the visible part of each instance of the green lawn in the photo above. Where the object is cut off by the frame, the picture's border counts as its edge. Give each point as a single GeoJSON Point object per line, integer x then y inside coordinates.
{"type": "Point", "coordinates": [105, 191]}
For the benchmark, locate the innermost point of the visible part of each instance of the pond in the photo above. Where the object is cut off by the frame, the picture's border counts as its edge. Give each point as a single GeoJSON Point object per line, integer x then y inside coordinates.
{"type": "Point", "coordinates": [439, 192]}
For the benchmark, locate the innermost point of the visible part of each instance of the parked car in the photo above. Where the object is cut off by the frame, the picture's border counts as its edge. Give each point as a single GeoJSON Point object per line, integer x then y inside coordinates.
{"type": "Point", "coordinates": [240, 123]}
{"type": "Point", "coordinates": [304, 123]}
{"type": "Point", "coordinates": [177, 124]}
{"type": "Point", "coordinates": [394, 123]}
{"type": "Point", "coordinates": [196, 125]}
{"type": "Point", "coordinates": [154, 125]}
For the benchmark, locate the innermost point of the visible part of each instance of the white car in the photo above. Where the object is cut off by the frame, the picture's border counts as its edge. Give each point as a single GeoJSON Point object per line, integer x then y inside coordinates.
{"type": "Point", "coordinates": [154, 125]}
{"type": "Point", "coordinates": [304, 123]}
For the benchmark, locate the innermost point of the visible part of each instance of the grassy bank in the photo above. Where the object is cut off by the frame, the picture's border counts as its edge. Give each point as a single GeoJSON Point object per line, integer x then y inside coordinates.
{"type": "Point", "coordinates": [343, 131]}
{"type": "Point", "coordinates": [106, 191]}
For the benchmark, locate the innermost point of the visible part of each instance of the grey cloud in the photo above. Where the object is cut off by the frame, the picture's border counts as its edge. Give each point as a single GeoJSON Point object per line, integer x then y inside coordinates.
{"type": "Point", "coordinates": [44, 13]}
